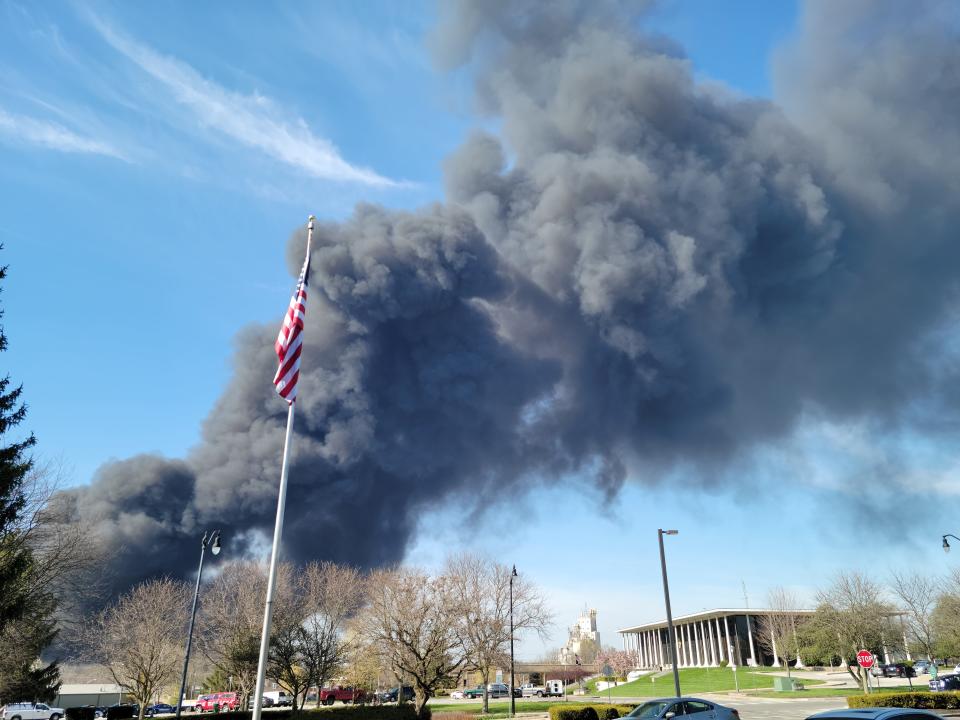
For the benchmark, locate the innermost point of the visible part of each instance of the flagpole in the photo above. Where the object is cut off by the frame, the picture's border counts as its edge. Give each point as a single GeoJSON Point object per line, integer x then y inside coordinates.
{"type": "Point", "coordinates": [275, 552]}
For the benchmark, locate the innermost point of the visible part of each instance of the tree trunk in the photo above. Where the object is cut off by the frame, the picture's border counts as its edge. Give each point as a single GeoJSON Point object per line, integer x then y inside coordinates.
{"type": "Point", "coordinates": [420, 698]}
{"type": "Point", "coordinates": [485, 677]}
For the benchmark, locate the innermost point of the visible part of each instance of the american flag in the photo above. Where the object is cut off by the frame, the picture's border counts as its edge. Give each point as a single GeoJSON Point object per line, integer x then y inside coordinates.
{"type": "Point", "coordinates": [290, 340]}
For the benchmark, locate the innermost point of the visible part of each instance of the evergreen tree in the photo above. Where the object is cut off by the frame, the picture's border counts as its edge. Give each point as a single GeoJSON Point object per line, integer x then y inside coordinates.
{"type": "Point", "coordinates": [15, 463]}
{"type": "Point", "coordinates": [27, 612]}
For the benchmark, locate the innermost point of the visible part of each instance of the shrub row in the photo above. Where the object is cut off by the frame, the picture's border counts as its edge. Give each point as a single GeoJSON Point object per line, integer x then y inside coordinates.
{"type": "Point", "coordinates": [914, 700]}
{"type": "Point", "coordinates": [588, 712]}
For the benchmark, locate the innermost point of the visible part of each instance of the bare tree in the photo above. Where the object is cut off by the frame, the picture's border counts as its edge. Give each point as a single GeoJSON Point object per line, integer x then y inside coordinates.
{"type": "Point", "coordinates": [139, 639]}
{"type": "Point", "coordinates": [412, 619]}
{"type": "Point", "coordinates": [853, 611]}
{"type": "Point", "coordinates": [334, 595]}
{"type": "Point", "coordinates": [777, 632]}
{"type": "Point", "coordinates": [481, 595]}
{"type": "Point", "coordinates": [231, 619]}
{"type": "Point", "coordinates": [308, 644]}
{"type": "Point", "coordinates": [918, 594]}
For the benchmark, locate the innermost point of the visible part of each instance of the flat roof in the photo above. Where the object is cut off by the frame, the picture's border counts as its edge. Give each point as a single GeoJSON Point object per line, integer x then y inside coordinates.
{"type": "Point", "coordinates": [706, 615]}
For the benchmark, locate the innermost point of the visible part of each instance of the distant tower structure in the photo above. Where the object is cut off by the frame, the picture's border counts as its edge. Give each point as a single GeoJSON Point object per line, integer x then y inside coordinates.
{"type": "Point", "coordinates": [583, 641]}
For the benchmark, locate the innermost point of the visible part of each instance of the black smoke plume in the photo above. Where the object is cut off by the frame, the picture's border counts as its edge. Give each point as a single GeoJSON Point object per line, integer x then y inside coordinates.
{"type": "Point", "coordinates": [640, 270]}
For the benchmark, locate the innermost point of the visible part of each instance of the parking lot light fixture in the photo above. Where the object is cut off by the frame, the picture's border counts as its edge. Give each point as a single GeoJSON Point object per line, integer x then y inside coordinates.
{"type": "Point", "coordinates": [946, 545]}
{"type": "Point", "coordinates": [211, 540]}
{"type": "Point", "coordinates": [671, 638]}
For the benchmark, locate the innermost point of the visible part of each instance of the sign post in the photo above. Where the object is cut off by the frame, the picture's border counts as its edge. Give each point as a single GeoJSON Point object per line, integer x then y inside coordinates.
{"type": "Point", "coordinates": [865, 660]}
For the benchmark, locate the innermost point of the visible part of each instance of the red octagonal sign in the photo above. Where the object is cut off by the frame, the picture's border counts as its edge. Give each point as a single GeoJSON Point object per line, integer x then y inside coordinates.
{"type": "Point", "coordinates": [865, 659]}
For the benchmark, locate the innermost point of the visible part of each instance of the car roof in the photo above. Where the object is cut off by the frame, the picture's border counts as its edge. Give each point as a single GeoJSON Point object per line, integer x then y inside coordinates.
{"type": "Point", "coordinates": [871, 713]}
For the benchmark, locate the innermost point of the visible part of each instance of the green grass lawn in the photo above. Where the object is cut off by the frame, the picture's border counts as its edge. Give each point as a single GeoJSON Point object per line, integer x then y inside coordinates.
{"type": "Point", "coordinates": [694, 680]}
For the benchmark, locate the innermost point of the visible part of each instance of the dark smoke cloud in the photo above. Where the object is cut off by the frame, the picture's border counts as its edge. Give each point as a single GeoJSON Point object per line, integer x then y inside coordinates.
{"type": "Point", "coordinates": [639, 271]}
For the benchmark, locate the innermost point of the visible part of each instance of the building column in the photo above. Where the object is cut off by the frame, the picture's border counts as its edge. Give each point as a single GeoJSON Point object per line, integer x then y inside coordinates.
{"type": "Point", "coordinates": [906, 645]}
{"type": "Point", "coordinates": [676, 643]}
{"type": "Point", "coordinates": [886, 654]}
{"type": "Point", "coordinates": [776, 659]}
{"type": "Point", "coordinates": [636, 650]}
{"type": "Point", "coordinates": [704, 654]}
{"type": "Point", "coordinates": [646, 650]}
{"type": "Point", "coordinates": [731, 649]}
{"type": "Point", "coordinates": [799, 664]}
{"type": "Point", "coordinates": [714, 660]}
{"type": "Point", "coordinates": [687, 651]}
{"type": "Point", "coordinates": [721, 647]}
{"type": "Point", "coordinates": [752, 660]}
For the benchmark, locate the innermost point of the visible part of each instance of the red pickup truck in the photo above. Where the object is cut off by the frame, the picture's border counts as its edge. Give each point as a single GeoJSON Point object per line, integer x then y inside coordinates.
{"type": "Point", "coordinates": [344, 694]}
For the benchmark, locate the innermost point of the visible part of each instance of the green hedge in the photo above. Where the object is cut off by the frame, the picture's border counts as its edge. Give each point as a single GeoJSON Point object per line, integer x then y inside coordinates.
{"type": "Point", "coordinates": [914, 700]}
{"type": "Point", "coordinates": [336, 712]}
{"type": "Point", "coordinates": [589, 712]}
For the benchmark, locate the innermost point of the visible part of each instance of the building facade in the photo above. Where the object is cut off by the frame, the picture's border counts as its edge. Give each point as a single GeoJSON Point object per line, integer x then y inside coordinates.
{"type": "Point", "coordinates": [704, 639]}
{"type": "Point", "coordinates": [583, 642]}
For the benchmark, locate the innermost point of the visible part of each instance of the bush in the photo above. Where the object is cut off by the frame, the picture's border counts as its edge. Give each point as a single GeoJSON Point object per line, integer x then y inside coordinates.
{"type": "Point", "coordinates": [577, 712]}
{"type": "Point", "coordinates": [589, 712]}
{"type": "Point", "coordinates": [913, 700]}
{"type": "Point", "coordinates": [80, 713]}
{"type": "Point", "coordinates": [337, 712]}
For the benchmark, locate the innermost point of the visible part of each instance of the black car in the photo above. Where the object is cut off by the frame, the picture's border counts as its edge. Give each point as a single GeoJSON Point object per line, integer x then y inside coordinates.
{"type": "Point", "coordinates": [945, 682]}
{"type": "Point", "coordinates": [159, 709]}
{"type": "Point", "coordinates": [898, 669]}
{"type": "Point", "coordinates": [391, 695]}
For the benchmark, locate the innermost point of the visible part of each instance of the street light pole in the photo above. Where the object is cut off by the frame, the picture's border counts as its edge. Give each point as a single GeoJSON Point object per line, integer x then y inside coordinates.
{"type": "Point", "coordinates": [946, 545]}
{"type": "Point", "coordinates": [213, 540]}
{"type": "Point", "coordinates": [666, 600]}
{"type": "Point", "coordinates": [513, 700]}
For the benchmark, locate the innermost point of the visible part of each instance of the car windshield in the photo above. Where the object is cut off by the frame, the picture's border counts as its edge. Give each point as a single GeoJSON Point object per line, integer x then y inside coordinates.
{"type": "Point", "coordinates": [648, 710]}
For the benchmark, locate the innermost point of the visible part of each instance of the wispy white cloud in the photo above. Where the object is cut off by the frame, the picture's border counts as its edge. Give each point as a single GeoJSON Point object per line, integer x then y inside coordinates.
{"type": "Point", "coordinates": [254, 120]}
{"type": "Point", "coordinates": [22, 128]}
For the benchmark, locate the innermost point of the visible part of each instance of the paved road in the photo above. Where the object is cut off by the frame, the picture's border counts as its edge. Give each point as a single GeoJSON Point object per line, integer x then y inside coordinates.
{"type": "Point", "coordinates": [769, 709]}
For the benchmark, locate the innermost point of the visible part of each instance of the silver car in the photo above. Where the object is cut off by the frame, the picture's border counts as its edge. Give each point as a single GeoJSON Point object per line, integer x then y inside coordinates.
{"type": "Point", "coordinates": [666, 708]}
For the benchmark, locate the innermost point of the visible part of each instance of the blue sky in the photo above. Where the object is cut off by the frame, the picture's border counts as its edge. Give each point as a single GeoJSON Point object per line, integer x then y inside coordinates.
{"type": "Point", "coordinates": [144, 224]}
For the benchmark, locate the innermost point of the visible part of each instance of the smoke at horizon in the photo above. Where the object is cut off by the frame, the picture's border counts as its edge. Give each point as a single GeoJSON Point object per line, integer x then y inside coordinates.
{"type": "Point", "coordinates": [639, 271]}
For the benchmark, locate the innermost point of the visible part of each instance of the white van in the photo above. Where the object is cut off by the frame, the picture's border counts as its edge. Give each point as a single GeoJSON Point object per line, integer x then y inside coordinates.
{"type": "Point", "coordinates": [279, 697]}
{"type": "Point", "coordinates": [553, 688]}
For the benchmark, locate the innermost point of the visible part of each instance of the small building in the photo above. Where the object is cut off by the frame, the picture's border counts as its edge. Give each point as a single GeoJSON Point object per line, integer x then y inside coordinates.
{"type": "Point", "coordinates": [96, 694]}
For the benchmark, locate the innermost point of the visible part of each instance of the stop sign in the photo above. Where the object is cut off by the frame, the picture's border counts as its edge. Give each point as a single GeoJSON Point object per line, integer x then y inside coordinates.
{"type": "Point", "coordinates": [865, 659]}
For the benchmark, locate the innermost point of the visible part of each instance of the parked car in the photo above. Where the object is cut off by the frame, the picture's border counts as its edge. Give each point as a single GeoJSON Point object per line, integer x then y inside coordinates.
{"type": "Point", "coordinates": [265, 702]}
{"type": "Point", "coordinates": [921, 667]}
{"type": "Point", "coordinates": [159, 709]}
{"type": "Point", "coordinates": [217, 702]}
{"type": "Point", "coordinates": [496, 690]}
{"type": "Point", "coordinates": [945, 682]}
{"type": "Point", "coordinates": [279, 698]}
{"type": "Point", "coordinates": [530, 690]}
{"type": "Point", "coordinates": [517, 692]}
{"type": "Point", "coordinates": [898, 669]}
{"type": "Point", "coordinates": [666, 708]}
{"type": "Point", "coordinates": [456, 695]}
{"type": "Point", "coordinates": [346, 695]}
{"type": "Point", "coordinates": [391, 695]}
{"type": "Point", "coordinates": [875, 714]}
{"type": "Point", "coordinates": [30, 711]}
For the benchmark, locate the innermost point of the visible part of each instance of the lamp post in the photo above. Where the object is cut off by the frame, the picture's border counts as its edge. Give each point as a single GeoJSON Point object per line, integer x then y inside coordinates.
{"type": "Point", "coordinates": [211, 540]}
{"type": "Point", "coordinates": [666, 600]}
{"type": "Point", "coordinates": [946, 545]}
{"type": "Point", "coordinates": [513, 700]}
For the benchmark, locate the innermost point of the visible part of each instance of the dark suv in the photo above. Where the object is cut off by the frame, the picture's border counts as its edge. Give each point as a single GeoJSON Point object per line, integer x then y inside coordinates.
{"type": "Point", "coordinates": [898, 669]}
{"type": "Point", "coordinates": [391, 695]}
{"type": "Point", "coordinates": [945, 682]}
